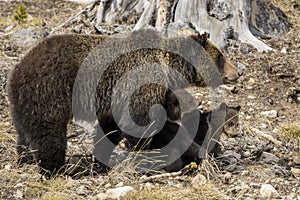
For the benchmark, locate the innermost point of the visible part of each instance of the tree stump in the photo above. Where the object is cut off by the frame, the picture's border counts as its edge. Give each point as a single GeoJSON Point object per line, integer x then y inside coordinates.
{"type": "Point", "coordinates": [234, 19]}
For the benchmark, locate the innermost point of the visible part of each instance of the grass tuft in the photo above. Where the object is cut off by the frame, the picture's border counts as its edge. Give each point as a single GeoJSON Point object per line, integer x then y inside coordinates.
{"type": "Point", "coordinates": [291, 130]}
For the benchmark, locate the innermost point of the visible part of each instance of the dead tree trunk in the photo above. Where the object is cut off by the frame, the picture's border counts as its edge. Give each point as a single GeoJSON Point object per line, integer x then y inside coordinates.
{"type": "Point", "coordinates": [232, 15]}
{"type": "Point", "coordinates": [238, 19]}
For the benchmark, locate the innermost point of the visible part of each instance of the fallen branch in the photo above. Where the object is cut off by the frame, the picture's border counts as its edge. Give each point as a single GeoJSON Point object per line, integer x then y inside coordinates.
{"type": "Point", "coordinates": [158, 176]}
{"type": "Point", "coordinates": [188, 168]}
{"type": "Point", "coordinates": [266, 136]}
{"type": "Point", "coordinates": [75, 17]}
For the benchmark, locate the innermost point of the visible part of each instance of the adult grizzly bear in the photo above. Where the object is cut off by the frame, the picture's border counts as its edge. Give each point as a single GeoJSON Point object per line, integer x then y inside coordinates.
{"type": "Point", "coordinates": [41, 88]}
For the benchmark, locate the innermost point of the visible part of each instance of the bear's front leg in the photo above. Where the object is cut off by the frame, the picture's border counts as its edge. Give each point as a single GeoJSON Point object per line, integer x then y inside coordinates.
{"type": "Point", "coordinates": [48, 142]}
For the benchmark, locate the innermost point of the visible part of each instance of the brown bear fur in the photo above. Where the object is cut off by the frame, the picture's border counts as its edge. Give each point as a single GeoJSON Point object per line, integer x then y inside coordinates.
{"type": "Point", "coordinates": [40, 91]}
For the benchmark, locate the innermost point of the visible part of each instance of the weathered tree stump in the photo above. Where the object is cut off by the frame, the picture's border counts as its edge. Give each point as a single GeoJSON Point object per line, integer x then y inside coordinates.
{"type": "Point", "coordinates": [235, 19]}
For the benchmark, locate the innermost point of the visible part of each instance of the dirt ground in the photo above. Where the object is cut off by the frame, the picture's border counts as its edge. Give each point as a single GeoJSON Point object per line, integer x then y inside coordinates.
{"type": "Point", "coordinates": [265, 149]}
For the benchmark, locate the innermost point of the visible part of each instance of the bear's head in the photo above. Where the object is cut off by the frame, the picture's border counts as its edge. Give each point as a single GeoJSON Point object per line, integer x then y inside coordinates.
{"type": "Point", "coordinates": [229, 72]}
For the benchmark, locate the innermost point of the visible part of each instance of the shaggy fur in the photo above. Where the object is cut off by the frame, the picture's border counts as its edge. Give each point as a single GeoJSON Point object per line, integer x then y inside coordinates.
{"type": "Point", "coordinates": [40, 91]}
{"type": "Point", "coordinates": [192, 153]}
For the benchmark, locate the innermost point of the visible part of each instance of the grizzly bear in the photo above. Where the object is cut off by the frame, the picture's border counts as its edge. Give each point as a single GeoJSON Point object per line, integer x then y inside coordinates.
{"type": "Point", "coordinates": [52, 84]}
{"type": "Point", "coordinates": [202, 144]}
{"type": "Point", "coordinates": [206, 140]}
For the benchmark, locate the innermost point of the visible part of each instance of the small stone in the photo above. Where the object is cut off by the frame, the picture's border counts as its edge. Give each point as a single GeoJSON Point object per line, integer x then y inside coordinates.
{"type": "Point", "coordinates": [251, 81]}
{"type": "Point", "coordinates": [19, 194]}
{"type": "Point", "coordinates": [241, 66]}
{"type": "Point", "coordinates": [249, 87]}
{"type": "Point", "coordinates": [267, 191]}
{"type": "Point", "coordinates": [227, 178]}
{"type": "Point", "coordinates": [268, 158]}
{"type": "Point", "coordinates": [121, 184]}
{"type": "Point", "coordinates": [179, 185]}
{"type": "Point", "coordinates": [247, 154]}
{"type": "Point", "coordinates": [81, 190]}
{"type": "Point", "coordinates": [292, 195]}
{"type": "Point", "coordinates": [108, 185]}
{"type": "Point", "coordinates": [245, 173]}
{"type": "Point", "coordinates": [9, 28]}
{"type": "Point", "coordinates": [295, 171]}
{"type": "Point", "coordinates": [248, 117]}
{"type": "Point", "coordinates": [171, 183]}
{"type": "Point", "coordinates": [296, 159]}
{"type": "Point", "coordinates": [263, 126]}
{"type": "Point", "coordinates": [149, 186]}
{"type": "Point", "coordinates": [251, 97]}
{"type": "Point", "coordinates": [198, 180]}
{"type": "Point", "coordinates": [7, 167]}
{"type": "Point", "coordinates": [101, 196]}
{"type": "Point", "coordinates": [7, 124]}
{"type": "Point", "coordinates": [230, 153]}
{"type": "Point", "coordinates": [251, 110]}
{"type": "Point", "coordinates": [117, 193]}
{"type": "Point", "coordinates": [241, 186]}
{"type": "Point", "coordinates": [270, 113]}
{"type": "Point", "coordinates": [283, 50]}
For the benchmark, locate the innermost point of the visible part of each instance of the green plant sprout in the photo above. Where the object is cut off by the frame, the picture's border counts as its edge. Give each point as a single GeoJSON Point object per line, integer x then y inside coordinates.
{"type": "Point", "coordinates": [20, 14]}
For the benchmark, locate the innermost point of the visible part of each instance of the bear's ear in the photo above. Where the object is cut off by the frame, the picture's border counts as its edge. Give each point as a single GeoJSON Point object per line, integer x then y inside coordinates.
{"type": "Point", "coordinates": [201, 38]}
{"type": "Point", "coordinates": [223, 106]}
{"type": "Point", "coordinates": [204, 38]}
{"type": "Point", "coordinates": [206, 35]}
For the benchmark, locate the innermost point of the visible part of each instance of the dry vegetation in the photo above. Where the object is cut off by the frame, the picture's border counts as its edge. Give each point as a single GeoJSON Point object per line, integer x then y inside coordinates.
{"type": "Point", "coordinates": [267, 83]}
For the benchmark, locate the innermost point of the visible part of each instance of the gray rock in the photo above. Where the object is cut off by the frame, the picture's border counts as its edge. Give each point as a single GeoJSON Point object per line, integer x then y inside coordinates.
{"type": "Point", "coordinates": [19, 194]}
{"type": "Point", "coordinates": [266, 20]}
{"type": "Point", "coordinates": [283, 50]}
{"type": "Point", "coordinates": [26, 38]}
{"type": "Point", "coordinates": [198, 180]}
{"type": "Point", "coordinates": [270, 113]}
{"type": "Point", "coordinates": [101, 196]}
{"type": "Point", "coordinates": [230, 153]}
{"type": "Point", "coordinates": [230, 160]}
{"type": "Point", "coordinates": [296, 159]}
{"type": "Point", "coordinates": [267, 191]}
{"type": "Point", "coordinates": [81, 190]}
{"type": "Point", "coordinates": [241, 186]}
{"type": "Point", "coordinates": [117, 193]}
{"type": "Point", "coordinates": [268, 158]}
{"type": "Point", "coordinates": [242, 67]}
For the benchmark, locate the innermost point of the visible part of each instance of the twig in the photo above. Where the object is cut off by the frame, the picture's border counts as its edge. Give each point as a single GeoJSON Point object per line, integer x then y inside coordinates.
{"type": "Point", "coordinates": [188, 168]}
{"type": "Point", "coordinates": [6, 34]}
{"type": "Point", "coordinates": [266, 136]}
{"type": "Point", "coordinates": [72, 19]}
{"type": "Point", "coordinates": [150, 178]}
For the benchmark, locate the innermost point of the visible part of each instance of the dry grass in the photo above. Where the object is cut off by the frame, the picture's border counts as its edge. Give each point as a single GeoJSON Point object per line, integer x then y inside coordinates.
{"type": "Point", "coordinates": [290, 133]}
{"type": "Point", "coordinates": [207, 191]}
{"type": "Point", "coordinates": [291, 130]}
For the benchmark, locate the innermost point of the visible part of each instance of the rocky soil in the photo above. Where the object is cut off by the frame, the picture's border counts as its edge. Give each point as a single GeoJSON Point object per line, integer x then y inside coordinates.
{"type": "Point", "coordinates": [261, 160]}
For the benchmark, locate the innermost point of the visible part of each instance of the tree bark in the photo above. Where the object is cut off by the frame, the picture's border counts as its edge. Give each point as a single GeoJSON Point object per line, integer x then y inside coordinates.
{"type": "Point", "coordinates": [217, 17]}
